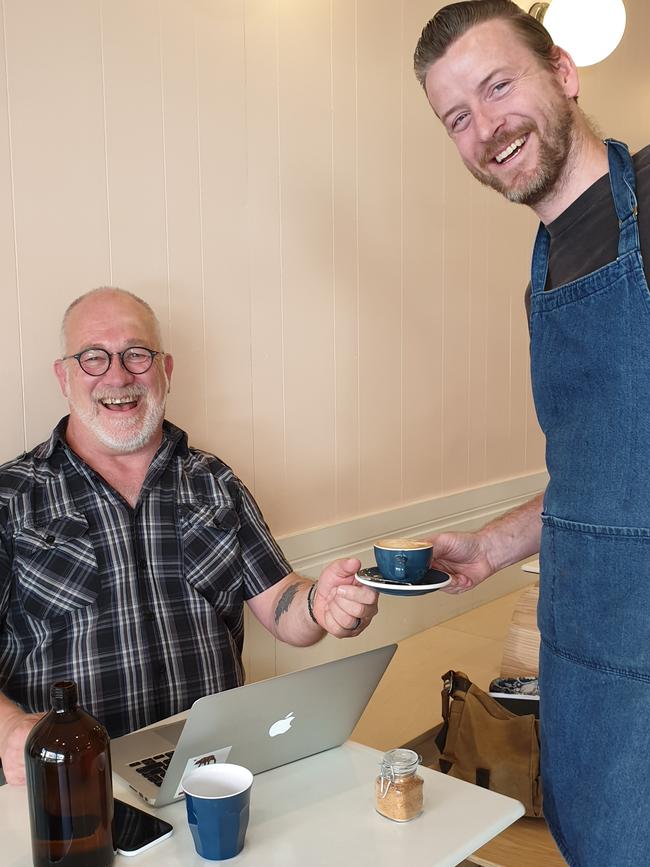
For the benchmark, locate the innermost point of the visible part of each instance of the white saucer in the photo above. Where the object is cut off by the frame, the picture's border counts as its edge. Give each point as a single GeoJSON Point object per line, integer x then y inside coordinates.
{"type": "Point", "coordinates": [373, 578]}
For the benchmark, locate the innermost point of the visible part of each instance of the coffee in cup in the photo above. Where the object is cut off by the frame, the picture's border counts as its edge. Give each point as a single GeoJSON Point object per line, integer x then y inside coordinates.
{"type": "Point", "coordinates": [404, 560]}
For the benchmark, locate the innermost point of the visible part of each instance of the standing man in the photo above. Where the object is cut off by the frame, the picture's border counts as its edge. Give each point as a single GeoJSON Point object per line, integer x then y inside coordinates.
{"type": "Point", "coordinates": [507, 97]}
{"type": "Point", "coordinates": [126, 556]}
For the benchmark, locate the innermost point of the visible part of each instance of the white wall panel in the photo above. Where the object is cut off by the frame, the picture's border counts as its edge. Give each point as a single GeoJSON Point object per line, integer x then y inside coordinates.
{"type": "Point", "coordinates": [343, 301]}
{"type": "Point", "coordinates": [11, 383]}
{"type": "Point", "coordinates": [54, 83]}
{"type": "Point", "coordinates": [379, 109]}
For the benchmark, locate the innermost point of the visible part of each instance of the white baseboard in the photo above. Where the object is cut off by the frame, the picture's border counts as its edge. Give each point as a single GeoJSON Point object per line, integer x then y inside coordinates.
{"type": "Point", "coordinates": [309, 551]}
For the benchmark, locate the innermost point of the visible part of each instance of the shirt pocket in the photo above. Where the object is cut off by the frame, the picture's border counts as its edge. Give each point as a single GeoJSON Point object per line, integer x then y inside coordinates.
{"type": "Point", "coordinates": [55, 567]}
{"type": "Point", "coordinates": [211, 555]}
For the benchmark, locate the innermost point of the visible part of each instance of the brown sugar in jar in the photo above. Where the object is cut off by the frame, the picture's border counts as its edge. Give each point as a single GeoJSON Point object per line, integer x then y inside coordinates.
{"type": "Point", "coordinates": [398, 788]}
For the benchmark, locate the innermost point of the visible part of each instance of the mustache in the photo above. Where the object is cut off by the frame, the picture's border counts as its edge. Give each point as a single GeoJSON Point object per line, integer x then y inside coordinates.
{"type": "Point", "coordinates": [131, 393]}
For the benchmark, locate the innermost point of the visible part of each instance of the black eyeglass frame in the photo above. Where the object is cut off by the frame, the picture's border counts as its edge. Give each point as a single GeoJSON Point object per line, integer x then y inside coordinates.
{"type": "Point", "coordinates": [109, 355]}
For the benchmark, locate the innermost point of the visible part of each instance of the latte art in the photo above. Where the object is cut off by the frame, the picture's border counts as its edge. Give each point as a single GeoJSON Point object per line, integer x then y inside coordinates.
{"type": "Point", "coordinates": [403, 544]}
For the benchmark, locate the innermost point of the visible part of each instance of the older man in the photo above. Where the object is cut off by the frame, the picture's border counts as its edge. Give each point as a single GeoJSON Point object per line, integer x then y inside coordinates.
{"type": "Point", "coordinates": [507, 97]}
{"type": "Point", "coordinates": [126, 556]}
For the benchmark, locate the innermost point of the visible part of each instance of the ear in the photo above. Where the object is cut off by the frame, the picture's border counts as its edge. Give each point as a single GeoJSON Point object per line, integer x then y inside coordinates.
{"type": "Point", "coordinates": [169, 366]}
{"type": "Point", "coordinates": [566, 73]}
{"type": "Point", "coordinates": [60, 373]}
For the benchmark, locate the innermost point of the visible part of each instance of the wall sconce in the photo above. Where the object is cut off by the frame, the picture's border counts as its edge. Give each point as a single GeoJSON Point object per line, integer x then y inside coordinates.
{"type": "Point", "coordinates": [588, 29]}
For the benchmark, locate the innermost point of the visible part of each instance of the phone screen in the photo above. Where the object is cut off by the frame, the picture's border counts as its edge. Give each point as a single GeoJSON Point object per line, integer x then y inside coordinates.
{"type": "Point", "coordinates": [135, 830]}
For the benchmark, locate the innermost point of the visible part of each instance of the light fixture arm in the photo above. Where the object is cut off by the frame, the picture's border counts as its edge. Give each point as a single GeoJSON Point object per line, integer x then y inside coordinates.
{"type": "Point", "coordinates": [538, 11]}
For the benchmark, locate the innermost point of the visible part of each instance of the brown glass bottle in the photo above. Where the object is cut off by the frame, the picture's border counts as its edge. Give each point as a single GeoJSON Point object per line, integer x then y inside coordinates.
{"type": "Point", "coordinates": [69, 787]}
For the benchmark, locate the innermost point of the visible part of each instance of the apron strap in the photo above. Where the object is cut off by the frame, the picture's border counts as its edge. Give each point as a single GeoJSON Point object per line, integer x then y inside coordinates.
{"type": "Point", "coordinates": [539, 265]}
{"type": "Point", "coordinates": [623, 183]}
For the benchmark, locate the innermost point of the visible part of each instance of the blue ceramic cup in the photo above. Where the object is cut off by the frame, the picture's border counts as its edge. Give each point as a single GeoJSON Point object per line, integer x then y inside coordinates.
{"type": "Point", "coordinates": [217, 798]}
{"type": "Point", "coordinates": [403, 560]}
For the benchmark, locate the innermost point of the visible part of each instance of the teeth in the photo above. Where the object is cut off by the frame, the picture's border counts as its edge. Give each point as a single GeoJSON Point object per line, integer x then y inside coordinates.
{"type": "Point", "coordinates": [117, 400]}
{"type": "Point", "coordinates": [510, 149]}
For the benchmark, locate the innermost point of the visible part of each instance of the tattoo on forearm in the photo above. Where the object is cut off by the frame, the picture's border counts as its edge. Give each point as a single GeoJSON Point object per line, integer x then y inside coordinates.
{"type": "Point", "coordinates": [285, 601]}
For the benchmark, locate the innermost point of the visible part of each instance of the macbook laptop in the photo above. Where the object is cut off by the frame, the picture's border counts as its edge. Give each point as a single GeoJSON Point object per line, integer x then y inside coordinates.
{"type": "Point", "coordinates": [261, 725]}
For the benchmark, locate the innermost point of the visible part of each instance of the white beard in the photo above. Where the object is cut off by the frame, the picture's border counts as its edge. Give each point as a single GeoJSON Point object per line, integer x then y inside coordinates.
{"type": "Point", "coordinates": [122, 435]}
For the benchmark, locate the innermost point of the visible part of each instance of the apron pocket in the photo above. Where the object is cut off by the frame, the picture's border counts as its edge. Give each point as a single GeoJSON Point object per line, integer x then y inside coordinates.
{"type": "Point", "coordinates": [595, 593]}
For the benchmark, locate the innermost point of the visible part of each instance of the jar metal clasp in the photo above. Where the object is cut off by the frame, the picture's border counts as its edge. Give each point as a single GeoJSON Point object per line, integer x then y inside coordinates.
{"type": "Point", "coordinates": [397, 763]}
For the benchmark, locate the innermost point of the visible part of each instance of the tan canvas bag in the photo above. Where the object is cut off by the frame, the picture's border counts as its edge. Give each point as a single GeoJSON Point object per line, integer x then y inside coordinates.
{"type": "Point", "coordinates": [481, 742]}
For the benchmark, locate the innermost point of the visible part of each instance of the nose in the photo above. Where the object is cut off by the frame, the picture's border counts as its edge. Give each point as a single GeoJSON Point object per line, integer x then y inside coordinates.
{"type": "Point", "coordinates": [117, 375]}
{"type": "Point", "coordinates": [488, 121]}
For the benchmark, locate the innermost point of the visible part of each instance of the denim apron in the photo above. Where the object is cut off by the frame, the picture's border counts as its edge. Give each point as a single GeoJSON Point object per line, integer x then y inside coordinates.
{"type": "Point", "coordinates": [590, 357]}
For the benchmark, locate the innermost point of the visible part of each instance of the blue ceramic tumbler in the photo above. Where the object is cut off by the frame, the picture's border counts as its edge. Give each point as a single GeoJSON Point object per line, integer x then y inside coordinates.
{"type": "Point", "coordinates": [217, 798]}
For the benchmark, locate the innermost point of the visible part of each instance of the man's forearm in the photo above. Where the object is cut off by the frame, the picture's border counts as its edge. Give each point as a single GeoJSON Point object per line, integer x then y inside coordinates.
{"type": "Point", "coordinates": [294, 620]}
{"type": "Point", "coordinates": [284, 610]}
{"type": "Point", "coordinates": [300, 612]}
{"type": "Point", "coordinates": [514, 535]}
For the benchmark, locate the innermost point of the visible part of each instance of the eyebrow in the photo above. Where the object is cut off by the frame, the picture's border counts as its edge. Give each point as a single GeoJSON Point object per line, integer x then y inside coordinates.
{"type": "Point", "coordinates": [130, 342]}
{"type": "Point", "coordinates": [480, 86]}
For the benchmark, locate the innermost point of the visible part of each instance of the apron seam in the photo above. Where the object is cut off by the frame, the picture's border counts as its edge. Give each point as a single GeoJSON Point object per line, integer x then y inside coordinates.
{"type": "Point", "coordinates": [592, 665]}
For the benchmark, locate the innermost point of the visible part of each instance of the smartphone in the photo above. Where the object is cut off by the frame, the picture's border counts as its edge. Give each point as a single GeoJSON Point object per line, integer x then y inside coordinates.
{"type": "Point", "coordinates": [134, 830]}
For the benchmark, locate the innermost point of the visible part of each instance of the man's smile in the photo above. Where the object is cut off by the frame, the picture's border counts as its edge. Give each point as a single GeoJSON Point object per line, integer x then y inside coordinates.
{"type": "Point", "coordinates": [121, 403]}
{"type": "Point", "coordinates": [115, 404]}
{"type": "Point", "coordinates": [511, 151]}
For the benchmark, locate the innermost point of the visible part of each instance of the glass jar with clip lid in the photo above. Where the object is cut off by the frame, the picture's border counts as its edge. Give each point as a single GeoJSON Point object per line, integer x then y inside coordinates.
{"type": "Point", "coordinates": [398, 788]}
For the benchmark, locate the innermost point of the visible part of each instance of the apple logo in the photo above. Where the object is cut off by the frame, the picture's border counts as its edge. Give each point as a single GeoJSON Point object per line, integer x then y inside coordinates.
{"type": "Point", "coordinates": [282, 725]}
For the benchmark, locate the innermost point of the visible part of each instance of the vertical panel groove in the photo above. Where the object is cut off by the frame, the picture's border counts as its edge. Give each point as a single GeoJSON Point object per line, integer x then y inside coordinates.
{"type": "Point", "coordinates": [15, 232]}
{"type": "Point", "coordinates": [356, 232]}
{"type": "Point", "coordinates": [281, 242]}
{"type": "Point", "coordinates": [246, 193]}
{"type": "Point", "coordinates": [402, 383]}
{"type": "Point", "coordinates": [108, 193]}
{"type": "Point", "coordinates": [334, 285]}
{"type": "Point", "coordinates": [163, 135]}
{"type": "Point", "coordinates": [197, 93]}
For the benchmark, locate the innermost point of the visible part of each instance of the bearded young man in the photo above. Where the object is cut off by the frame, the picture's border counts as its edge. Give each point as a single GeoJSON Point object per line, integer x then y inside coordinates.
{"type": "Point", "coordinates": [507, 97]}
{"type": "Point", "coordinates": [126, 556]}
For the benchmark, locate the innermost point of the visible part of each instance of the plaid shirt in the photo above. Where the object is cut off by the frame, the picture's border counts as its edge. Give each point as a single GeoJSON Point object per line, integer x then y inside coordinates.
{"type": "Point", "coordinates": [142, 607]}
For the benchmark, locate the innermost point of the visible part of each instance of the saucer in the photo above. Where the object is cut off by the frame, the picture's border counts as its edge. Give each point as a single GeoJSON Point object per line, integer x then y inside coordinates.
{"type": "Point", "coordinates": [433, 580]}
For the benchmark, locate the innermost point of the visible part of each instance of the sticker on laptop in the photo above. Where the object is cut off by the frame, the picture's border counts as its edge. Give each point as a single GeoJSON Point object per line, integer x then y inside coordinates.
{"type": "Point", "coordinates": [214, 758]}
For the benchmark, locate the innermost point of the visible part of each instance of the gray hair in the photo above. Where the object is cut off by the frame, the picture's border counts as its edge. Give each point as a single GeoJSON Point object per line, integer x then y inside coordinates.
{"type": "Point", "coordinates": [451, 22]}
{"type": "Point", "coordinates": [110, 290]}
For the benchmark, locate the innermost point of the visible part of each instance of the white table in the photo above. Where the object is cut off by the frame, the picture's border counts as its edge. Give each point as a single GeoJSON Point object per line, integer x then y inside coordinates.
{"type": "Point", "coordinates": [318, 811]}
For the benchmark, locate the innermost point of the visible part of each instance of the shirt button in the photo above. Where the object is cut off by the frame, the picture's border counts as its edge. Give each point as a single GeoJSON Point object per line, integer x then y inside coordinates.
{"type": "Point", "coordinates": [148, 614]}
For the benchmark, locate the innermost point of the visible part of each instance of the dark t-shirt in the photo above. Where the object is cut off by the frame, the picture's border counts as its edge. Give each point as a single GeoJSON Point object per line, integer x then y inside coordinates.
{"type": "Point", "coordinates": [585, 236]}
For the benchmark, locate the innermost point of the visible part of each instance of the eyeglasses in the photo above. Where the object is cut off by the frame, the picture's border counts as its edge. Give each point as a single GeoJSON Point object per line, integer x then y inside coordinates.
{"type": "Point", "coordinates": [95, 362]}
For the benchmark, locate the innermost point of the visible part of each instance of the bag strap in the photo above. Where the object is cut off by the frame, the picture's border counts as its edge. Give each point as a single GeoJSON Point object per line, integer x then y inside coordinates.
{"type": "Point", "coordinates": [454, 684]}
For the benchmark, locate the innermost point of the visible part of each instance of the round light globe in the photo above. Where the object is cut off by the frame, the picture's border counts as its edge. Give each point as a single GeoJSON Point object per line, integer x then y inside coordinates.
{"type": "Point", "coordinates": [588, 29]}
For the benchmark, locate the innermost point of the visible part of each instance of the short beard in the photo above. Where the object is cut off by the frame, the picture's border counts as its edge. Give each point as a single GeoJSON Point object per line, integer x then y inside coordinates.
{"type": "Point", "coordinates": [554, 151]}
{"type": "Point", "coordinates": [124, 438]}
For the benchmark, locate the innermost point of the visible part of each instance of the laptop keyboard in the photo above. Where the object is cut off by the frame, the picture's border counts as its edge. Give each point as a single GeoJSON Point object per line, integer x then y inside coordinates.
{"type": "Point", "coordinates": [153, 767]}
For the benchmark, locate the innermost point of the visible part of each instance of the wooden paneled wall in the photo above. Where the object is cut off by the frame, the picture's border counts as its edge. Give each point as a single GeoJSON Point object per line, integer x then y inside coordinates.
{"type": "Point", "coordinates": [344, 303]}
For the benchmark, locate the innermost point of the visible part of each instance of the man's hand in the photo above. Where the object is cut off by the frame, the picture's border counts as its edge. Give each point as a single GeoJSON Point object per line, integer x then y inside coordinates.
{"type": "Point", "coordinates": [464, 557]}
{"type": "Point", "coordinates": [14, 729]}
{"type": "Point", "coordinates": [342, 606]}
